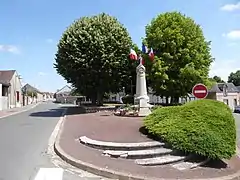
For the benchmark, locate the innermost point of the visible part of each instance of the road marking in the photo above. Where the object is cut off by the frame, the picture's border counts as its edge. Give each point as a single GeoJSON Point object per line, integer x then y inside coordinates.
{"type": "Point", "coordinates": [200, 91]}
{"type": "Point", "coordinates": [49, 174]}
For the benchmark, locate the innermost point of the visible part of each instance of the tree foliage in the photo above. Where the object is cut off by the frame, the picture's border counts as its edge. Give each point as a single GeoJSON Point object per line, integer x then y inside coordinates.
{"type": "Point", "coordinates": [182, 55]}
{"type": "Point", "coordinates": [92, 56]}
{"type": "Point", "coordinates": [234, 78]}
{"type": "Point", "coordinates": [217, 79]}
{"type": "Point", "coordinates": [31, 93]}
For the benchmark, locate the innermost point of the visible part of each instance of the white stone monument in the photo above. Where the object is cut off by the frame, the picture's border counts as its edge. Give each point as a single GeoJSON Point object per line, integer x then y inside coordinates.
{"type": "Point", "coordinates": [141, 97]}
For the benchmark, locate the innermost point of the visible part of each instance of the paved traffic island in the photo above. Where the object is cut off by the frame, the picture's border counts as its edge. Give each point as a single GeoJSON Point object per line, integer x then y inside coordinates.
{"type": "Point", "coordinates": [104, 127]}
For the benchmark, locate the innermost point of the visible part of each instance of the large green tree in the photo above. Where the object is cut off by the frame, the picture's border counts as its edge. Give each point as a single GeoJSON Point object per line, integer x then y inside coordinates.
{"type": "Point", "coordinates": [182, 55]}
{"type": "Point", "coordinates": [234, 78]}
{"type": "Point", "coordinates": [218, 79]}
{"type": "Point", "coordinates": [92, 56]}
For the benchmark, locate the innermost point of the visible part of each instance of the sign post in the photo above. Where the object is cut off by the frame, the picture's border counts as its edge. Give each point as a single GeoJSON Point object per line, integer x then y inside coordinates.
{"type": "Point", "coordinates": [200, 91]}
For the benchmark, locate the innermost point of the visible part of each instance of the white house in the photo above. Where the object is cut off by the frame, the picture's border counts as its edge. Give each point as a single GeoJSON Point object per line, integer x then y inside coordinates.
{"type": "Point", "coordinates": [10, 89]}
{"type": "Point", "coordinates": [225, 92]}
{"type": "Point", "coordinates": [62, 95]}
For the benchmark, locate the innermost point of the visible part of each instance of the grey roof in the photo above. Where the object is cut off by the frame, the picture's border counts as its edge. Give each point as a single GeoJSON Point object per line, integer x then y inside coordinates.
{"type": "Point", "coordinates": [29, 88]}
{"type": "Point", "coordinates": [218, 88]}
{"type": "Point", "coordinates": [6, 76]}
{"type": "Point", "coordinates": [66, 90]}
{"type": "Point", "coordinates": [238, 87]}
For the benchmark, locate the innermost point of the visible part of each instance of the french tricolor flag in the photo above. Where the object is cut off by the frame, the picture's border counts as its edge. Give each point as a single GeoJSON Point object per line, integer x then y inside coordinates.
{"type": "Point", "coordinates": [133, 55]}
{"type": "Point", "coordinates": [151, 54]}
{"type": "Point", "coordinates": [144, 49]}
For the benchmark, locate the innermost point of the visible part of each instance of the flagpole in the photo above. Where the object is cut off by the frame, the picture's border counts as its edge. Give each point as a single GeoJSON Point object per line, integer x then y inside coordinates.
{"type": "Point", "coordinates": [140, 59]}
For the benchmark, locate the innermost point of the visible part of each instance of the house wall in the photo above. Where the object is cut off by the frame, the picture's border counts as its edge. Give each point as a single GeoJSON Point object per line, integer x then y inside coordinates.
{"type": "Point", "coordinates": [239, 97]}
{"type": "Point", "coordinates": [3, 100]}
{"type": "Point", "coordinates": [13, 89]}
{"type": "Point", "coordinates": [39, 97]}
{"type": "Point", "coordinates": [1, 103]}
{"type": "Point", "coordinates": [231, 100]}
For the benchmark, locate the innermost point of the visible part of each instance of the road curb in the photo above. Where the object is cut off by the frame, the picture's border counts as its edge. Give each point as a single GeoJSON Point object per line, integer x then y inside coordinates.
{"type": "Point", "coordinates": [105, 172]}
{"type": "Point", "coordinates": [11, 114]}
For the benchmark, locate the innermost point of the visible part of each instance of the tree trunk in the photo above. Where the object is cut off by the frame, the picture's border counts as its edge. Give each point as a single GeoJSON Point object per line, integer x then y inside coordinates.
{"type": "Point", "coordinates": [94, 100]}
{"type": "Point", "coordinates": [100, 99]}
{"type": "Point", "coordinates": [174, 100]}
{"type": "Point", "coordinates": [167, 101]}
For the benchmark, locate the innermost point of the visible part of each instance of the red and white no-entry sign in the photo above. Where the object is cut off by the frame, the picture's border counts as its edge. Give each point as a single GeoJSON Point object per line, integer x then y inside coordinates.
{"type": "Point", "coordinates": [200, 91]}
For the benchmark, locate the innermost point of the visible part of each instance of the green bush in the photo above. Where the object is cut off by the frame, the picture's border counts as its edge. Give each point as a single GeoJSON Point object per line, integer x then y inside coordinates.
{"type": "Point", "coordinates": [205, 127]}
{"type": "Point", "coordinates": [128, 99]}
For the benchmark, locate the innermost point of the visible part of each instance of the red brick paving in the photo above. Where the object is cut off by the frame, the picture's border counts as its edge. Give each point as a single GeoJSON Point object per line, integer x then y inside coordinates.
{"type": "Point", "coordinates": [119, 129]}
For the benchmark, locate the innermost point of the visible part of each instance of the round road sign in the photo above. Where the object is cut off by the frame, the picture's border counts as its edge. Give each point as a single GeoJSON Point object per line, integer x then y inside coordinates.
{"type": "Point", "coordinates": [200, 91]}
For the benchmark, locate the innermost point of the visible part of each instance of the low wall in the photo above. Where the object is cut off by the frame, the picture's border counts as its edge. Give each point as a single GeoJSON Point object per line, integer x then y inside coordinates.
{"type": "Point", "coordinates": [3, 103]}
{"type": "Point", "coordinates": [97, 109]}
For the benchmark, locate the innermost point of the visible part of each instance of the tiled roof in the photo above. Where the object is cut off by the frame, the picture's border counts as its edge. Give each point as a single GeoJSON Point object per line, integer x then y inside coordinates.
{"type": "Point", "coordinates": [238, 87]}
{"type": "Point", "coordinates": [29, 88]}
{"type": "Point", "coordinates": [218, 88]}
{"type": "Point", "coordinates": [6, 76]}
{"type": "Point", "coordinates": [66, 90]}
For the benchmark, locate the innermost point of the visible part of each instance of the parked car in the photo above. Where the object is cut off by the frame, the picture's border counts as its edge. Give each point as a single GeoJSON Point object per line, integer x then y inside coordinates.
{"type": "Point", "coordinates": [237, 109]}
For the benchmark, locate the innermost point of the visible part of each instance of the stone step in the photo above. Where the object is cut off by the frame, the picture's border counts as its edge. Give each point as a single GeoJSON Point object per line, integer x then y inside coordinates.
{"type": "Point", "coordinates": [168, 159]}
{"type": "Point", "coordinates": [185, 165]}
{"type": "Point", "coordinates": [120, 146]}
{"type": "Point", "coordinates": [134, 154]}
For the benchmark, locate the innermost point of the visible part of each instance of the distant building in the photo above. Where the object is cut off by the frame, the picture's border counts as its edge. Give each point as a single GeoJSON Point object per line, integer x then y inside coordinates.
{"type": "Point", "coordinates": [31, 94]}
{"type": "Point", "coordinates": [10, 89]}
{"type": "Point", "coordinates": [225, 92]}
{"type": "Point", "coordinates": [47, 96]}
{"type": "Point", "coordinates": [64, 95]}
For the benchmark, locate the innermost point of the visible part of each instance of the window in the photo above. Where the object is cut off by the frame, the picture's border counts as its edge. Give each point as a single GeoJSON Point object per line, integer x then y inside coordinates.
{"type": "Point", "coordinates": [235, 102]}
{"type": "Point", "coordinates": [4, 91]}
{"type": "Point", "coordinates": [18, 97]}
{"type": "Point", "coordinates": [225, 101]}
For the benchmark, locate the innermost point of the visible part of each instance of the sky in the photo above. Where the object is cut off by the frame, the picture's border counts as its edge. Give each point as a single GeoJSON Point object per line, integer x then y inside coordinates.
{"type": "Point", "coordinates": [31, 29]}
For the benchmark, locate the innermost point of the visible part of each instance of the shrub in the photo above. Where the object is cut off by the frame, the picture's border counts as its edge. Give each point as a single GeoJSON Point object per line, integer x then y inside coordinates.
{"type": "Point", "coordinates": [128, 99]}
{"type": "Point", "coordinates": [205, 127]}
{"type": "Point", "coordinates": [155, 107]}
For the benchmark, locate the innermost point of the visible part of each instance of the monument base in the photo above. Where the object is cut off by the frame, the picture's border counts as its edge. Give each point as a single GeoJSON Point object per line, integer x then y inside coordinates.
{"type": "Point", "coordinates": [144, 106]}
{"type": "Point", "coordinates": [144, 111]}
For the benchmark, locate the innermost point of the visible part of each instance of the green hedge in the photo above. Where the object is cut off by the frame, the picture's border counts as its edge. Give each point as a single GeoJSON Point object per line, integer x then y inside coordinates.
{"type": "Point", "coordinates": [128, 99]}
{"type": "Point", "coordinates": [205, 127]}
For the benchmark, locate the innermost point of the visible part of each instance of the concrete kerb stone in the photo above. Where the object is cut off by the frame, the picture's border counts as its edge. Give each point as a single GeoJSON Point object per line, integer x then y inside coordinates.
{"type": "Point", "coordinates": [111, 173]}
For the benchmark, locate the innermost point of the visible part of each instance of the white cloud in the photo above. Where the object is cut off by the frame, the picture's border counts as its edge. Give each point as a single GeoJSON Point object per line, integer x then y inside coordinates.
{"type": "Point", "coordinates": [42, 73]}
{"type": "Point", "coordinates": [231, 7]}
{"type": "Point", "coordinates": [223, 68]}
{"type": "Point", "coordinates": [49, 40]}
{"type": "Point", "coordinates": [233, 35]}
{"type": "Point", "coordinates": [9, 48]}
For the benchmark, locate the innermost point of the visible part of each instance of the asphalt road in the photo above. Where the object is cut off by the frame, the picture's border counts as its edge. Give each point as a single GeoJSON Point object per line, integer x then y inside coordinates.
{"type": "Point", "coordinates": [24, 142]}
